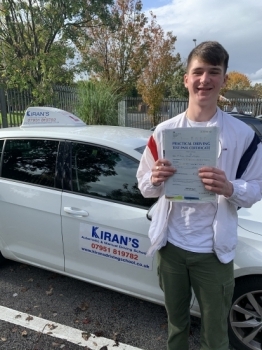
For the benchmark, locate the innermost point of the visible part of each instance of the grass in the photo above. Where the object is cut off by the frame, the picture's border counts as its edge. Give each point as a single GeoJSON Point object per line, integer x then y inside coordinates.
{"type": "Point", "coordinates": [14, 118]}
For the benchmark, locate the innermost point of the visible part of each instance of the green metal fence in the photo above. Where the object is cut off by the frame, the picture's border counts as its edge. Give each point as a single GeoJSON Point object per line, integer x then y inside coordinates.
{"type": "Point", "coordinates": [13, 103]}
{"type": "Point", "coordinates": [132, 112]}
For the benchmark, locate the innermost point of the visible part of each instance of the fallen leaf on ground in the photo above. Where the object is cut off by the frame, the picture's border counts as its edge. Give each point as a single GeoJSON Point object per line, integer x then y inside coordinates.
{"type": "Point", "coordinates": [50, 291]}
{"type": "Point", "coordinates": [115, 338]}
{"type": "Point", "coordinates": [29, 318]}
{"type": "Point", "coordinates": [98, 334]}
{"type": "Point", "coordinates": [54, 344]}
{"type": "Point", "coordinates": [3, 339]}
{"type": "Point", "coordinates": [24, 333]}
{"type": "Point", "coordinates": [86, 336]}
{"type": "Point", "coordinates": [84, 306]}
{"type": "Point", "coordinates": [51, 326]}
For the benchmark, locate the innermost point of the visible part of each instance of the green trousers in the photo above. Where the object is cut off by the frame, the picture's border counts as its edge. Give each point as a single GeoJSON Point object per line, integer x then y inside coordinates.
{"type": "Point", "coordinates": [213, 285]}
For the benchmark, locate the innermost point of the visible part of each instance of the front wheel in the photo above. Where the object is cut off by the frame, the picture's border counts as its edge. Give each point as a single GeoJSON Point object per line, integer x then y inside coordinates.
{"type": "Point", "coordinates": [2, 259]}
{"type": "Point", "coordinates": [245, 316]}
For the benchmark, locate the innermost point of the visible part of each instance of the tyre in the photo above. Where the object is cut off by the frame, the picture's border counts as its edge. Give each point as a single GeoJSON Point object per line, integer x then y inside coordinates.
{"type": "Point", "coordinates": [2, 259]}
{"type": "Point", "coordinates": [245, 316]}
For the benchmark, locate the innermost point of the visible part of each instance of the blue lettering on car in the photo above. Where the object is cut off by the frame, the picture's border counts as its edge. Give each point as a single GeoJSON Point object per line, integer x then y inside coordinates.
{"type": "Point", "coordinates": [37, 114]}
{"type": "Point", "coordinates": [114, 238]}
{"type": "Point", "coordinates": [94, 234]}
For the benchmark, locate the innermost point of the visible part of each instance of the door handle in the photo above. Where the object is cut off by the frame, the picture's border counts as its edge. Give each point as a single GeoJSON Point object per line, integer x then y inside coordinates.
{"type": "Point", "coordinates": [75, 211]}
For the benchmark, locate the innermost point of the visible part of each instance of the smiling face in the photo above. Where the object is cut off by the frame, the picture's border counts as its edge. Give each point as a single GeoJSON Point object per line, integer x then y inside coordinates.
{"type": "Point", "coordinates": [204, 81]}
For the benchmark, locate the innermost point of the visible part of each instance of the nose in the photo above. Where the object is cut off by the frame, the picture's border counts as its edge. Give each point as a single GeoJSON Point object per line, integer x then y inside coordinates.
{"type": "Point", "coordinates": [205, 78]}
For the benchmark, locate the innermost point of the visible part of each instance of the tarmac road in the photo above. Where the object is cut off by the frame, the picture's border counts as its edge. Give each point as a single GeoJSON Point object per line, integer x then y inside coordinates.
{"type": "Point", "coordinates": [83, 307]}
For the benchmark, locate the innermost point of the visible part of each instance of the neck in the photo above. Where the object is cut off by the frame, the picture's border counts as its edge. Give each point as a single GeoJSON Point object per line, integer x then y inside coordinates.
{"type": "Point", "coordinates": [199, 114]}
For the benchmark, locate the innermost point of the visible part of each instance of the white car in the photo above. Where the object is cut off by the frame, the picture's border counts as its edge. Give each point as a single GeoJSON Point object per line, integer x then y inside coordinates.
{"type": "Point", "coordinates": [70, 204]}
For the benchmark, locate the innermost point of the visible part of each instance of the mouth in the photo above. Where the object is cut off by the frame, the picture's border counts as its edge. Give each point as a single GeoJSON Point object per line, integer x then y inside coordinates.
{"type": "Point", "coordinates": [204, 89]}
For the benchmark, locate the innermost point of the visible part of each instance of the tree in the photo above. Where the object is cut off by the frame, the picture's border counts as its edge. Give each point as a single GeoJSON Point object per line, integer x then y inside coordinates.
{"type": "Point", "coordinates": [118, 53]}
{"type": "Point", "coordinates": [258, 88]}
{"type": "Point", "coordinates": [177, 86]}
{"type": "Point", "coordinates": [36, 40]}
{"type": "Point", "coordinates": [237, 81]}
{"type": "Point", "coordinates": [160, 69]}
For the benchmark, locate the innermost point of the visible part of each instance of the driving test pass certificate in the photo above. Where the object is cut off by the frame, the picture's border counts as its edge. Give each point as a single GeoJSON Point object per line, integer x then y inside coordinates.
{"type": "Point", "coordinates": [189, 149]}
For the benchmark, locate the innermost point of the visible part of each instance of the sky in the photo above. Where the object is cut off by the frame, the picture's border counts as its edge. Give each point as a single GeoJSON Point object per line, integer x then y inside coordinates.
{"type": "Point", "coordinates": [236, 24]}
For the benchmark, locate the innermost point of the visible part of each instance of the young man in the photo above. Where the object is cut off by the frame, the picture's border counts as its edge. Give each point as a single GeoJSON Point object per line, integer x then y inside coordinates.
{"type": "Point", "coordinates": [195, 242]}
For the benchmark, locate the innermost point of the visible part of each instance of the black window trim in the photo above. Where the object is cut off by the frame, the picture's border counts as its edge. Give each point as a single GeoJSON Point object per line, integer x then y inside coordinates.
{"type": "Point", "coordinates": [67, 180]}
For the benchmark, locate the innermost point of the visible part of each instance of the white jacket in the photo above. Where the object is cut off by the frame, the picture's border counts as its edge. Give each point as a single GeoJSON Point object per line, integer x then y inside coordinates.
{"type": "Point", "coordinates": [235, 137]}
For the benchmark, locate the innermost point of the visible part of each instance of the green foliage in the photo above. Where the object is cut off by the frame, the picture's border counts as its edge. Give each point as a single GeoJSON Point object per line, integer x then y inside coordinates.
{"type": "Point", "coordinates": [117, 53]}
{"type": "Point", "coordinates": [36, 41]}
{"type": "Point", "coordinates": [161, 66]}
{"type": "Point", "coordinates": [258, 88]}
{"type": "Point", "coordinates": [98, 102]}
{"type": "Point", "coordinates": [177, 86]}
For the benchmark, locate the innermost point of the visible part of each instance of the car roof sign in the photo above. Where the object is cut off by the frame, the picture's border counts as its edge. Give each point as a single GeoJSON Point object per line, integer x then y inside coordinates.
{"type": "Point", "coordinates": [49, 116]}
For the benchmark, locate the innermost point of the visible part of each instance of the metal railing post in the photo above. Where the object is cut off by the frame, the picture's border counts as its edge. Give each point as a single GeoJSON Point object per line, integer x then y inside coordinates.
{"type": "Point", "coordinates": [3, 107]}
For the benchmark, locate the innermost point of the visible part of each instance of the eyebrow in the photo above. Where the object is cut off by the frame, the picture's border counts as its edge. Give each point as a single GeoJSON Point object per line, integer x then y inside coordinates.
{"type": "Point", "coordinates": [218, 69]}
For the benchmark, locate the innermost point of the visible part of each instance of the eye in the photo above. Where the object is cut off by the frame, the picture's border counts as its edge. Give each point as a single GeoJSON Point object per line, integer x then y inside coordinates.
{"type": "Point", "coordinates": [215, 72]}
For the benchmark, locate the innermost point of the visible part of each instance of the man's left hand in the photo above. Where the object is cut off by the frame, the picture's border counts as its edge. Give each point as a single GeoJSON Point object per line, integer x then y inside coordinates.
{"type": "Point", "coordinates": [215, 180]}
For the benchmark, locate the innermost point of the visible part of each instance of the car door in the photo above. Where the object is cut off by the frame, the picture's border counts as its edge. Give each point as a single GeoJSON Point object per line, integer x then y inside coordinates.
{"type": "Point", "coordinates": [104, 222]}
{"type": "Point", "coordinates": [30, 222]}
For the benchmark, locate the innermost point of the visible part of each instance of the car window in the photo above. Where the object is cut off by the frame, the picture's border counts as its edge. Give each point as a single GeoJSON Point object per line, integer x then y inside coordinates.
{"type": "Point", "coordinates": [107, 174]}
{"type": "Point", "coordinates": [32, 161]}
{"type": "Point", "coordinates": [254, 123]}
{"type": "Point", "coordinates": [258, 127]}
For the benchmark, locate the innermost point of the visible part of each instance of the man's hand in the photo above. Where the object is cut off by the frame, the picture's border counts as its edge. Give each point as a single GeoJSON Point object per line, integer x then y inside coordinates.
{"type": "Point", "coordinates": [161, 171]}
{"type": "Point", "coordinates": [216, 181]}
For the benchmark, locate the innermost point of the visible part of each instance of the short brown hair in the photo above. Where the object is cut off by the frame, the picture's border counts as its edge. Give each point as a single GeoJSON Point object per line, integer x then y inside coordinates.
{"type": "Point", "coordinates": [210, 52]}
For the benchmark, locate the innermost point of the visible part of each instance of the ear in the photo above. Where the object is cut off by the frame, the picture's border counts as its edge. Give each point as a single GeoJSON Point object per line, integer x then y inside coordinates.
{"type": "Point", "coordinates": [225, 80]}
{"type": "Point", "coordinates": [186, 80]}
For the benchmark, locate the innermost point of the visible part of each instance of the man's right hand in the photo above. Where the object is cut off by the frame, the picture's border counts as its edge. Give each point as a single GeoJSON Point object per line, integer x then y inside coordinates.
{"type": "Point", "coordinates": [161, 171]}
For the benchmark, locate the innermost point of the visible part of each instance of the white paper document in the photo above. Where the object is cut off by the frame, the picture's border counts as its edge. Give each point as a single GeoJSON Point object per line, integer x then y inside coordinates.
{"type": "Point", "coordinates": [189, 149]}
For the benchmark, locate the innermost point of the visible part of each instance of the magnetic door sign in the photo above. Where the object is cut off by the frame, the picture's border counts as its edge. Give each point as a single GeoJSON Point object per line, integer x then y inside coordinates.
{"type": "Point", "coordinates": [124, 248]}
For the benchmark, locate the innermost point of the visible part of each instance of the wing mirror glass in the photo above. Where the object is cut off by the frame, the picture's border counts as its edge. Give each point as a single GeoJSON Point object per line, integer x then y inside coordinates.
{"type": "Point", "coordinates": [150, 212]}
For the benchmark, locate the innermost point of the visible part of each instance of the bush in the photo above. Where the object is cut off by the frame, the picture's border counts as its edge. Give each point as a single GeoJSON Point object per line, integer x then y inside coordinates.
{"type": "Point", "coordinates": [98, 103]}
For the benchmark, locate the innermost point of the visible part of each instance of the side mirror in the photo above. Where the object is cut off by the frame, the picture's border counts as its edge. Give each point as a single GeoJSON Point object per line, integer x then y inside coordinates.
{"type": "Point", "coordinates": [150, 212]}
